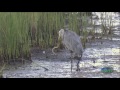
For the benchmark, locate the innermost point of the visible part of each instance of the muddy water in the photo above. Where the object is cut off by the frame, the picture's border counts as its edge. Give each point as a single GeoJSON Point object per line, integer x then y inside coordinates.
{"type": "Point", "coordinates": [105, 52]}
{"type": "Point", "coordinates": [55, 66]}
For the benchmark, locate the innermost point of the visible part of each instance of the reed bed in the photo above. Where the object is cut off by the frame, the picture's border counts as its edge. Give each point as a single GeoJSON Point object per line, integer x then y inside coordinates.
{"type": "Point", "coordinates": [19, 31]}
{"type": "Point", "coordinates": [14, 41]}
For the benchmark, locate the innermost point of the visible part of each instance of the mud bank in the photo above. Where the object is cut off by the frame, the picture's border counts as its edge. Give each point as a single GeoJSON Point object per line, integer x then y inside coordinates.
{"type": "Point", "coordinates": [59, 66]}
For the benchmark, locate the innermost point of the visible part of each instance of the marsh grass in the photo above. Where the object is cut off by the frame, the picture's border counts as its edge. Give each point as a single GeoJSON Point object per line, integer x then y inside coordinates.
{"type": "Point", "coordinates": [19, 31]}
{"type": "Point", "coordinates": [107, 24]}
{"type": "Point", "coordinates": [14, 42]}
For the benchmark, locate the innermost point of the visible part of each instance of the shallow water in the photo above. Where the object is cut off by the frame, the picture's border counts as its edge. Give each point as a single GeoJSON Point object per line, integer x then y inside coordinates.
{"type": "Point", "coordinates": [47, 65]}
{"type": "Point", "coordinates": [59, 65]}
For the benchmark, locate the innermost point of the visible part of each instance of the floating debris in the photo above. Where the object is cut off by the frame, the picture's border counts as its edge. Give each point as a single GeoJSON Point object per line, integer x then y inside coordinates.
{"type": "Point", "coordinates": [43, 52]}
{"type": "Point", "coordinates": [107, 70]}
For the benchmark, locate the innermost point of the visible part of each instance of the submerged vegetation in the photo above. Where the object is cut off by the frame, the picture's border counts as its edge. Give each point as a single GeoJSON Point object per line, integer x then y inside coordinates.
{"type": "Point", "coordinates": [19, 31]}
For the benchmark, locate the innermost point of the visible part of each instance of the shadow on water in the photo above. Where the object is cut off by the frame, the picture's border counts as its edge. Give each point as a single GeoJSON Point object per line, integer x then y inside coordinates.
{"type": "Point", "coordinates": [55, 66]}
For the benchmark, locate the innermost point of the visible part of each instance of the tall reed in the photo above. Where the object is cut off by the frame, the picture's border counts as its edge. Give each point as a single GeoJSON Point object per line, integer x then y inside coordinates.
{"type": "Point", "coordinates": [14, 41]}
{"type": "Point", "coordinates": [21, 30]}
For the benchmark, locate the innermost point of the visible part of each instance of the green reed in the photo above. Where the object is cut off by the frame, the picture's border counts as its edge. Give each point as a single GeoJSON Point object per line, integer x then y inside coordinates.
{"type": "Point", "coordinates": [21, 30]}
{"type": "Point", "coordinates": [14, 42]}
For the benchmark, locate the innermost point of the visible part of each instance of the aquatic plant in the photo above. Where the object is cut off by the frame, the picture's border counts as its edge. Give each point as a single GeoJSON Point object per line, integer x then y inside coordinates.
{"type": "Point", "coordinates": [19, 31]}
{"type": "Point", "coordinates": [14, 42]}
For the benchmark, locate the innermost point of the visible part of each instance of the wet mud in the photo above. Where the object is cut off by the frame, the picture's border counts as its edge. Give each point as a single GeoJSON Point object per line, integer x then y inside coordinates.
{"type": "Point", "coordinates": [99, 53]}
